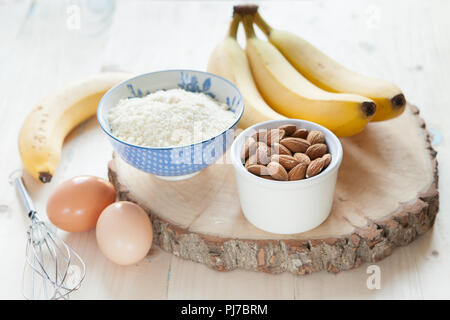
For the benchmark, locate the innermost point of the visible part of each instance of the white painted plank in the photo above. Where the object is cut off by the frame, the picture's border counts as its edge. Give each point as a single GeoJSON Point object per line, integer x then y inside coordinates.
{"type": "Point", "coordinates": [405, 41]}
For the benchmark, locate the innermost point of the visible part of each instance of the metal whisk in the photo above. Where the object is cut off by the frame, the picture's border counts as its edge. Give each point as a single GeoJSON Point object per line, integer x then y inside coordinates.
{"type": "Point", "coordinates": [52, 269]}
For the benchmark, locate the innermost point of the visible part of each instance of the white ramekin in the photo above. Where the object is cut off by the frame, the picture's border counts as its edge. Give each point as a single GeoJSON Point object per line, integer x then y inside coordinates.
{"type": "Point", "coordinates": [286, 207]}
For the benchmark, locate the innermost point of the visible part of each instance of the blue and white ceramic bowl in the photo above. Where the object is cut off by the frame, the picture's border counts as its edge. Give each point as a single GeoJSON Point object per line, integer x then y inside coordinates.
{"type": "Point", "coordinates": [173, 163]}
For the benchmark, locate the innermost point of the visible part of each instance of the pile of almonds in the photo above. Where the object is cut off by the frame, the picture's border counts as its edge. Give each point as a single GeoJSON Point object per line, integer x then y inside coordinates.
{"type": "Point", "coordinates": [287, 153]}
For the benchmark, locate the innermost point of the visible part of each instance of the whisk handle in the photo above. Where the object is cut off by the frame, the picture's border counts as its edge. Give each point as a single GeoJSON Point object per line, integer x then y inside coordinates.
{"type": "Point", "coordinates": [25, 198]}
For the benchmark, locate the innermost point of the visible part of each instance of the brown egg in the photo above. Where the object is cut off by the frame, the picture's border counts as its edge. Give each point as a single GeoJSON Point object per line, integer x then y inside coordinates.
{"type": "Point", "coordinates": [76, 204]}
{"type": "Point", "coordinates": [124, 233]}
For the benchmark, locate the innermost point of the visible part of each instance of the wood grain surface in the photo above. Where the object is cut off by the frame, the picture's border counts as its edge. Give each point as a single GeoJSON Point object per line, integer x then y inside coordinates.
{"type": "Point", "coordinates": [404, 41]}
{"type": "Point", "coordinates": [386, 196]}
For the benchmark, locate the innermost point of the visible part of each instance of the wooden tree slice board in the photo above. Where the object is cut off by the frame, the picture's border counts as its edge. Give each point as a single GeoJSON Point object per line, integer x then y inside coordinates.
{"type": "Point", "coordinates": [386, 196]}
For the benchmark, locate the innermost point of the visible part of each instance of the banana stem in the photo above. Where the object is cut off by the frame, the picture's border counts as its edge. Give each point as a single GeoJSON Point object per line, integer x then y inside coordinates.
{"type": "Point", "coordinates": [262, 24]}
{"type": "Point", "coordinates": [244, 9]}
{"type": "Point", "coordinates": [232, 31]}
{"type": "Point", "coordinates": [248, 26]}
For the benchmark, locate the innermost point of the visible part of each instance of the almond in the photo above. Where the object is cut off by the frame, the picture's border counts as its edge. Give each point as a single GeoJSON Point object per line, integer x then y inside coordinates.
{"type": "Point", "coordinates": [251, 160]}
{"type": "Point", "coordinates": [262, 153]}
{"type": "Point", "coordinates": [289, 129]}
{"type": "Point", "coordinates": [316, 137]}
{"type": "Point", "coordinates": [249, 146]}
{"type": "Point", "coordinates": [295, 144]}
{"type": "Point", "coordinates": [280, 149]}
{"type": "Point", "coordinates": [326, 160]}
{"type": "Point", "coordinates": [298, 172]}
{"type": "Point", "coordinates": [261, 144]}
{"type": "Point", "coordinates": [300, 133]}
{"type": "Point", "coordinates": [303, 158]}
{"type": "Point", "coordinates": [288, 162]}
{"type": "Point", "coordinates": [275, 135]}
{"type": "Point", "coordinates": [277, 171]}
{"type": "Point", "coordinates": [258, 169]}
{"type": "Point", "coordinates": [314, 168]}
{"type": "Point", "coordinates": [316, 151]}
{"type": "Point", "coordinates": [260, 135]}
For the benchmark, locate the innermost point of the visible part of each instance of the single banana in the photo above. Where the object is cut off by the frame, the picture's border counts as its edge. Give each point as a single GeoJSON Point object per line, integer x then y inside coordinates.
{"type": "Point", "coordinates": [229, 61]}
{"type": "Point", "coordinates": [331, 76]}
{"type": "Point", "coordinates": [290, 94]}
{"type": "Point", "coordinates": [44, 129]}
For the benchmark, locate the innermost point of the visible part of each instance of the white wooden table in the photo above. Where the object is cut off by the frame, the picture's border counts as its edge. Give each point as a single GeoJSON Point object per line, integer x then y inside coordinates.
{"type": "Point", "coordinates": [43, 48]}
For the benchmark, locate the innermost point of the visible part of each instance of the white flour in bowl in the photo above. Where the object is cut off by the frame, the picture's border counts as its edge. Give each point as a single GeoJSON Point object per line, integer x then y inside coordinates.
{"type": "Point", "coordinates": [169, 118]}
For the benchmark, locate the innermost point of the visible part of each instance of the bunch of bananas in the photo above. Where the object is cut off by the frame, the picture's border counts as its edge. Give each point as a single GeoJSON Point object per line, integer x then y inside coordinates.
{"type": "Point", "coordinates": [288, 77]}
